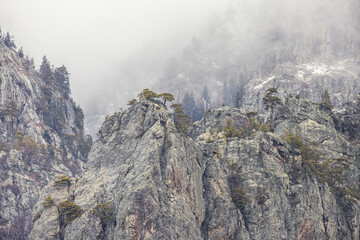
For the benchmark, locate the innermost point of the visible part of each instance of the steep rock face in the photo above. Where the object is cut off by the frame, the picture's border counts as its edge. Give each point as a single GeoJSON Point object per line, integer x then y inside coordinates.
{"type": "Point", "coordinates": [35, 143]}
{"type": "Point", "coordinates": [348, 120]}
{"type": "Point", "coordinates": [148, 171]}
{"type": "Point", "coordinates": [145, 180]}
{"type": "Point", "coordinates": [277, 192]}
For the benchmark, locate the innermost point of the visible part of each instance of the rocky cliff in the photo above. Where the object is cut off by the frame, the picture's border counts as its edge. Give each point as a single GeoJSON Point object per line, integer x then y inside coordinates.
{"type": "Point", "coordinates": [145, 178]}
{"type": "Point", "coordinates": [41, 135]}
{"type": "Point", "coordinates": [232, 179]}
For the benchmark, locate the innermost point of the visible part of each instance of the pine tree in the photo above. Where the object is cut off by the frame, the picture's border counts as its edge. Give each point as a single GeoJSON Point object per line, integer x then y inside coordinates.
{"type": "Point", "coordinates": [61, 76]}
{"type": "Point", "coordinates": [147, 94]}
{"type": "Point", "coordinates": [326, 103]}
{"type": "Point", "coordinates": [21, 52]}
{"type": "Point", "coordinates": [45, 70]}
{"type": "Point", "coordinates": [32, 63]}
{"type": "Point", "coordinates": [270, 100]}
{"type": "Point", "coordinates": [9, 42]}
{"type": "Point", "coordinates": [166, 97]}
{"type": "Point", "coordinates": [182, 120]}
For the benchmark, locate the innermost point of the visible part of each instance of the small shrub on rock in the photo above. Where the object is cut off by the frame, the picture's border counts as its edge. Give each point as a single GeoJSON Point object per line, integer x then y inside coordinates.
{"type": "Point", "coordinates": [48, 202]}
{"type": "Point", "coordinates": [239, 197]}
{"type": "Point", "coordinates": [263, 128]}
{"type": "Point", "coordinates": [132, 102]}
{"type": "Point", "coordinates": [69, 211]}
{"type": "Point", "coordinates": [62, 181]}
{"type": "Point", "coordinates": [232, 131]}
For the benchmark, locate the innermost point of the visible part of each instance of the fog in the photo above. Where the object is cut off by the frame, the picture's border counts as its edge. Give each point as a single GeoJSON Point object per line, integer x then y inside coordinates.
{"type": "Point", "coordinates": [97, 40]}
{"type": "Point", "coordinates": [254, 37]}
{"type": "Point", "coordinates": [115, 48]}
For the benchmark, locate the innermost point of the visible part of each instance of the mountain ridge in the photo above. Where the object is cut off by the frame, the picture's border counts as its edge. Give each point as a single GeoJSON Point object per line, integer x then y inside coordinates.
{"type": "Point", "coordinates": [157, 182]}
{"type": "Point", "coordinates": [41, 134]}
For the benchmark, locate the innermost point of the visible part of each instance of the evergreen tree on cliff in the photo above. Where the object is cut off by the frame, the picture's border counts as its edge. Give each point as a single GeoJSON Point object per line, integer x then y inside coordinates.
{"type": "Point", "coordinates": [21, 52]}
{"type": "Point", "coordinates": [270, 101]}
{"type": "Point", "coordinates": [9, 42]}
{"type": "Point", "coordinates": [326, 103]}
{"type": "Point", "coordinates": [62, 79]}
{"type": "Point", "coordinates": [182, 120]}
{"type": "Point", "coordinates": [46, 73]}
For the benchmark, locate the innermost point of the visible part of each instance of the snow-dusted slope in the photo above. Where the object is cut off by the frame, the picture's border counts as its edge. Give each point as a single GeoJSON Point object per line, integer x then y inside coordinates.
{"type": "Point", "coordinates": [341, 79]}
{"type": "Point", "coordinates": [254, 38]}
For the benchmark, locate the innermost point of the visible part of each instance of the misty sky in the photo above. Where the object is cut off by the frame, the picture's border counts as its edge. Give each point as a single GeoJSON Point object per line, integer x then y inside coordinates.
{"type": "Point", "coordinates": [115, 48]}
{"type": "Point", "coordinates": [95, 39]}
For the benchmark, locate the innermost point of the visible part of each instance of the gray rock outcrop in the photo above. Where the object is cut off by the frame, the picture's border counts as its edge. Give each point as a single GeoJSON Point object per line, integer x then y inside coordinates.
{"type": "Point", "coordinates": [150, 172]}
{"type": "Point", "coordinates": [146, 180]}
{"type": "Point", "coordinates": [41, 135]}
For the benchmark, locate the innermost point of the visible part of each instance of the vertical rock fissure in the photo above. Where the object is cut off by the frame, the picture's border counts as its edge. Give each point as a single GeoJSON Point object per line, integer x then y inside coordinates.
{"type": "Point", "coordinates": [143, 122]}
{"type": "Point", "coordinates": [234, 180]}
{"type": "Point", "coordinates": [204, 227]}
{"type": "Point", "coordinates": [347, 221]}
{"type": "Point", "coordinates": [325, 219]}
{"type": "Point", "coordinates": [61, 224]}
{"type": "Point", "coordinates": [166, 144]}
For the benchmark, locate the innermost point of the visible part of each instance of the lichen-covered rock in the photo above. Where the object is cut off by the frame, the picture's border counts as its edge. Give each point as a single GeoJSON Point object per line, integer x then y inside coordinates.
{"type": "Point", "coordinates": [151, 173]}
{"type": "Point", "coordinates": [49, 217]}
{"type": "Point", "coordinates": [146, 180]}
{"type": "Point", "coordinates": [280, 198]}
